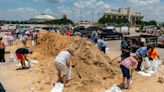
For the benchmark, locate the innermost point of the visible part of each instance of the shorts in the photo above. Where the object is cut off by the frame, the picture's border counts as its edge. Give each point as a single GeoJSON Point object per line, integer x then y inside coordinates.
{"type": "Point", "coordinates": [63, 69]}
{"type": "Point", "coordinates": [19, 56]}
{"type": "Point", "coordinates": [125, 72]}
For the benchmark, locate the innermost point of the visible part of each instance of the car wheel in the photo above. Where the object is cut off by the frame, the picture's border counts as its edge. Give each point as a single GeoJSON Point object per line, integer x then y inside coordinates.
{"type": "Point", "coordinates": [119, 37]}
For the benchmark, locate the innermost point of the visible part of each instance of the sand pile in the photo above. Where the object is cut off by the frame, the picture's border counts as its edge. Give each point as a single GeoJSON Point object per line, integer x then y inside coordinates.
{"type": "Point", "coordinates": [92, 65]}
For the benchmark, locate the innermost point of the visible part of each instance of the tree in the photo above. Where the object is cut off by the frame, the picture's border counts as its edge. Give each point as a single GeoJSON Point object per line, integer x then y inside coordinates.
{"type": "Point", "coordinates": [152, 22]}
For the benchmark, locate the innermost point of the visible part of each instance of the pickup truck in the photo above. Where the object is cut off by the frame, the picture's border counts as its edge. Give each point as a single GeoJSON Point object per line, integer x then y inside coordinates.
{"type": "Point", "coordinates": [124, 30]}
{"type": "Point", "coordinates": [110, 33]}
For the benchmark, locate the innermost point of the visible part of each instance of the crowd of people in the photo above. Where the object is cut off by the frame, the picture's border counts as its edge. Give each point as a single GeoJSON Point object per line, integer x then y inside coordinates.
{"type": "Point", "coordinates": [62, 60]}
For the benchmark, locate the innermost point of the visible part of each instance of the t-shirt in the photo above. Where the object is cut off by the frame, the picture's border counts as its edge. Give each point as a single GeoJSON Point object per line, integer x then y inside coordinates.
{"type": "Point", "coordinates": [22, 51]}
{"type": "Point", "coordinates": [129, 63]}
{"type": "Point", "coordinates": [68, 33]}
{"type": "Point", "coordinates": [126, 46]}
{"type": "Point", "coordinates": [141, 52]}
{"type": "Point", "coordinates": [62, 57]}
{"type": "Point", "coordinates": [101, 43]}
{"type": "Point", "coordinates": [25, 38]}
{"type": "Point", "coordinates": [153, 53]}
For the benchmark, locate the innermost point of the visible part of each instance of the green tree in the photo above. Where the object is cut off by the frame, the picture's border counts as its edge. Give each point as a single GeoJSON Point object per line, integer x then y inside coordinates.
{"type": "Point", "coordinates": [152, 22]}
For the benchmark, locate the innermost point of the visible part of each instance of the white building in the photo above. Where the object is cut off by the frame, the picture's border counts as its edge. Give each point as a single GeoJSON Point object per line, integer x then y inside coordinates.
{"type": "Point", "coordinates": [42, 18]}
{"type": "Point", "coordinates": [128, 13]}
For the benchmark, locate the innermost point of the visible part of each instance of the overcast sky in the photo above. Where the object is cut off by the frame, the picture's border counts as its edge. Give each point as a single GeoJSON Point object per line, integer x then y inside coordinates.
{"type": "Point", "coordinates": [25, 9]}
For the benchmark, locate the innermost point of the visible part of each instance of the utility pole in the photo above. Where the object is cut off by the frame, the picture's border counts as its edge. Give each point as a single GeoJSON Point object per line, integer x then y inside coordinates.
{"type": "Point", "coordinates": [81, 15]}
{"type": "Point", "coordinates": [92, 13]}
{"type": "Point", "coordinates": [73, 15]}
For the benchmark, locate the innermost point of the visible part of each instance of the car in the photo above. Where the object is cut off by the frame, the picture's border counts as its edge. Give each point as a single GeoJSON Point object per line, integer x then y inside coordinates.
{"type": "Point", "coordinates": [110, 33]}
{"type": "Point", "coordinates": [85, 31]}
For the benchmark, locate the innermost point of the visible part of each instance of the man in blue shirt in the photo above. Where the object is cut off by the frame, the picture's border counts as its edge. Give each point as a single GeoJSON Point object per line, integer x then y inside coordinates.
{"type": "Point", "coordinates": [101, 44]}
{"type": "Point", "coordinates": [141, 53]}
{"type": "Point", "coordinates": [93, 37]}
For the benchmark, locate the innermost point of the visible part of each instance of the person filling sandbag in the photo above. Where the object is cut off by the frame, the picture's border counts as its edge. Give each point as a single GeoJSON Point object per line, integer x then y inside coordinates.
{"type": "Point", "coordinates": [21, 54]}
{"type": "Point", "coordinates": [127, 66]}
{"type": "Point", "coordinates": [62, 64]}
{"type": "Point", "coordinates": [141, 53]}
{"type": "Point", "coordinates": [154, 56]}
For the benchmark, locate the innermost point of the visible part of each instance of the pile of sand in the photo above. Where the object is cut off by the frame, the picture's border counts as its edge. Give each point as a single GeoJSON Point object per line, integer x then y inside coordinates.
{"type": "Point", "coordinates": [92, 65]}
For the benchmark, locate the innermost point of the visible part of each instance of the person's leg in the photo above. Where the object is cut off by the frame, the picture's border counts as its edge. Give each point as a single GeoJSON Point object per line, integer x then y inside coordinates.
{"type": "Point", "coordinates": [65, 80]}
{"type": "Point", "coordinates": [128, 79]}
{"type": "Point", "coordinates": [139, 64]}
{"type": "Point", "coordinates": [3, 55]}
{"type": "Point", "coordinates": [1, 59]}
{"type": "Point", "coordinates": [103, 49]}
{"type": "Point", "coordinates": [123, 73]}
{"type": "Point", "coordinates": [59, 77]}
{"type": "Point", "coordinates": [22, 64]}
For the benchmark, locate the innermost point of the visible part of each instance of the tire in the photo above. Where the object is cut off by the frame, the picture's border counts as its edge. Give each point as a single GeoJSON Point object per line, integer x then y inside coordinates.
{"type": "Point", "coordinates": [119, 37]}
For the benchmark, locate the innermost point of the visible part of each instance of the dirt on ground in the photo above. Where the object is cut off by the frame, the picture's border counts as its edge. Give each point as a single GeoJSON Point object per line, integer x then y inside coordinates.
{"type": "Point", "coordinates": [95, 68]}
{"type": "Point", "coordinates": [92, 64]}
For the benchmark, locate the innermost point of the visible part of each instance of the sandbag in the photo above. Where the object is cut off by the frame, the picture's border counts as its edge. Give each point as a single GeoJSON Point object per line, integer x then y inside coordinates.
{"type": "Point", "coordinates": [155, 64]}
{"type": "Point", "coordinates": [13, 58]}
{"type": "Point", "coordinates": [146, 63]}
{"type": "Point", "coordinates": [58, 87]}
{"type": "Point", "coordinates": [114, 89]}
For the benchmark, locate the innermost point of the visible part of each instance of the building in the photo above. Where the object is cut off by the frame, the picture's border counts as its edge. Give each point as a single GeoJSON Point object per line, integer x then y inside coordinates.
{"type": "Point", "coordinates": [128, 13]}
{"type": "Point", "coordinates": [42, 18]}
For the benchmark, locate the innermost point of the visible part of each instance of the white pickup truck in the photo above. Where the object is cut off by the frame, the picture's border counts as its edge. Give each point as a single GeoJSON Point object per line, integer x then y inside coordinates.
{"type": "Point", "coordinates": [124, 30]}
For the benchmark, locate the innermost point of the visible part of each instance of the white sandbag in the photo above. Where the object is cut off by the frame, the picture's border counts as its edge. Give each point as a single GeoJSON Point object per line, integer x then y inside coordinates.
{"type": "Point", "coordinates": [13, 58]}
{"type": "Point", "coordinates": [58, 87]}
{"type": "Point", "coordinates": [146, 64]}
{"type": "Point", "coordinates": [29, 63]}
{"type": "Point", "coordinates": [155, 64]}
{"type": "Point", "coordinates": [145, 74]}
{"type": "Point", "coordinates": [113, 89]}
{"type": "Point", "coordinates": [107, 50]}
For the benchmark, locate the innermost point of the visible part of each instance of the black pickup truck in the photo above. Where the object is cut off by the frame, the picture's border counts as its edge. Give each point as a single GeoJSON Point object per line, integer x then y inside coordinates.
{"type": "Point", "coordinates": [110, 33]}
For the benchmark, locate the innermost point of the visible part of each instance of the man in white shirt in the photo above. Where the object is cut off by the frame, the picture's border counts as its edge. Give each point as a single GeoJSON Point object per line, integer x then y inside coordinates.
{"type": "Point", "coordinates": [62, 64]}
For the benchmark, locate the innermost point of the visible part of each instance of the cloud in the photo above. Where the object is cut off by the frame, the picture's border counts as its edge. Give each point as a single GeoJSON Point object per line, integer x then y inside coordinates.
{"type": "Point", "coordinates": [144, 2]}
{"type": "Point", "coordinates": [93, 4]}
{"type": "Point", "coordinates": [48, 11]}
{"type": "Point", "coordinates": [23, 13]}
{"type": "Point", "coordinates": [23, 10]}
{"type": "Point", "coordinates": [55, 1]}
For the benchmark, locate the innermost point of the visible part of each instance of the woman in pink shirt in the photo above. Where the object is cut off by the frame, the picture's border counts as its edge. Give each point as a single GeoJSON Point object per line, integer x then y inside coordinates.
{"type": "Point", "coordinates": [127, 66]}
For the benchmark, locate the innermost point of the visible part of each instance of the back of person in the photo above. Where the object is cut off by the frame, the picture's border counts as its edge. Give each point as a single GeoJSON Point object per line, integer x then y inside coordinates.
{"type": "Point", "coordinates": [62, 57]}
{"type": "Point", "coordinates": [127, 47]}
{"type": "Point", "coordinates": [129, 62]}
{"type": "Point", "coordinates": [68, 33]}
{"type": "Point", "coordinates": [153, 53]}
{"type": "Point", "coordinates": [22, 51]}
{"type": "Point", "coordinates": [101, 43]}
{"type": "Point", "coordinates": [141, 51]}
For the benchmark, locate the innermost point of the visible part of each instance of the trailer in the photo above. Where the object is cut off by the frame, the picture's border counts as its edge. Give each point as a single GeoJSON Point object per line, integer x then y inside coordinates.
{"type": "Point", "coordinates": [141, 40]}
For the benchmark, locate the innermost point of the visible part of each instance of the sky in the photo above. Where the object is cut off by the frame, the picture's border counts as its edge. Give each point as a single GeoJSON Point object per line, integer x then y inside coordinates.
{"type": "Point", "coordinates": [78, 9]}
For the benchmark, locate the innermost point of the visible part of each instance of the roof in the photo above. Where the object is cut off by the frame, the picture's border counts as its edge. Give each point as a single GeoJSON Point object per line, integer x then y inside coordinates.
{"type": "Point", "coordinates": [44, 16]}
